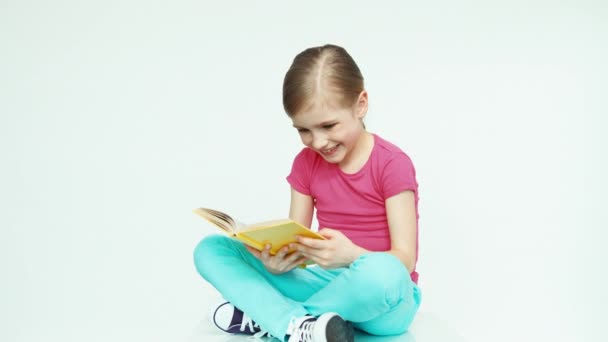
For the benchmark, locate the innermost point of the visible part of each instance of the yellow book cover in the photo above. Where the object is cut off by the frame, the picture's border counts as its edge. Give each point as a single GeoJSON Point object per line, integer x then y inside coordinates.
{"type": "Point", "coordinates": [277, 233]}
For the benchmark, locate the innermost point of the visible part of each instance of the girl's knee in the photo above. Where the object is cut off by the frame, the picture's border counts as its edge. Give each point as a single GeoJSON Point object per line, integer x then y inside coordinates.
{"type": "Point", "coordinates": [405, 324]}
{"type": "Point", "coordinates": [382, 266]}
{"type": "Point", "coordinates": [212, 241]}
{"type": "Point", "coordinates": [380, 260]}
{"type": "Point", "coordinates": [399, 328]}
{"type": "Point", "coordinates": [206, 251]}
{"type": "Point", "coordinates": [384, 277]}
{"type": "Point", "coordinates": [383, 329]}
{"type": "Point", "coordinates": [389, 331]}
{"type": "Point", "coordinates": [208, 243]}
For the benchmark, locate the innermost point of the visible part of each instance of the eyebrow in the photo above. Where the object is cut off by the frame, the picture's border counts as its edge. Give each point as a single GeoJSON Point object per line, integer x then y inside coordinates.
{"type": "Point", "coordinates": [328, 122]}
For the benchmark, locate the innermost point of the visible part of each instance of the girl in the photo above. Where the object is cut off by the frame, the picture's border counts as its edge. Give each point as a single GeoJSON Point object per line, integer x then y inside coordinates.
{"type": "Point", "coordinates": [365, 194]}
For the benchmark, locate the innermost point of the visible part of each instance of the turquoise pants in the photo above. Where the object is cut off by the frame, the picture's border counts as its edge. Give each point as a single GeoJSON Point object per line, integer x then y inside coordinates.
{"type": "Point", "coordinates": [375, 292]}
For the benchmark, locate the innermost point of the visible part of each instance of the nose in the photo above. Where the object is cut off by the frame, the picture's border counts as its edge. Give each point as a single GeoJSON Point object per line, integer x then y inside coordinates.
{"type": "Point", "coordinates": [318, 141]}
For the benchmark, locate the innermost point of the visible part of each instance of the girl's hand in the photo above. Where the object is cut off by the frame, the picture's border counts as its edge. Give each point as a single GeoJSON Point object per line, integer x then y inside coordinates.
{"type": "Point", "coordinates": [336, 251]}
{"type": "Point", "coordinates": [280, 262]}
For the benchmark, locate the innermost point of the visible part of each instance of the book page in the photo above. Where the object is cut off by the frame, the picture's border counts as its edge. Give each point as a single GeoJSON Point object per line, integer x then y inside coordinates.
{"type": "Point", "coordinates": [264, 224]}
{"type": "Point", "coordinates": [218, 219]}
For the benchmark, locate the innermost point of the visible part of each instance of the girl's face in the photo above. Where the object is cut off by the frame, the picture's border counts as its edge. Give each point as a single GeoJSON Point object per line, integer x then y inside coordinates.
{"type": "Point", "coordinates": [332, 131]}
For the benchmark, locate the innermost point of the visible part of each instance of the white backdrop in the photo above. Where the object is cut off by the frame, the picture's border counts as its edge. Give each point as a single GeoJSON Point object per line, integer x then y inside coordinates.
{"type": "Point", "coordinates": [119, 117]}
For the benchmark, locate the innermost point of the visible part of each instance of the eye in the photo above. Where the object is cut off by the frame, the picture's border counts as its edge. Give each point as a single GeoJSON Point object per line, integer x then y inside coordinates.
{"type": "Point", "coordinates": [302, 130]}
{"type": "Point", "coordinates": [329, 126]}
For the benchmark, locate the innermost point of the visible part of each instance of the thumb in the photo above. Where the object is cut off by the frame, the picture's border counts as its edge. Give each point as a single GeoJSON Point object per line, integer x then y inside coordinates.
{"type": "Point", "coordinates": [328, 233]}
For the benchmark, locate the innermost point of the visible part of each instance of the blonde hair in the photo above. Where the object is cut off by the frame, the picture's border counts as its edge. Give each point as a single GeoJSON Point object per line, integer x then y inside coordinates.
{"type": "Point", "coordinates": [325, 73]}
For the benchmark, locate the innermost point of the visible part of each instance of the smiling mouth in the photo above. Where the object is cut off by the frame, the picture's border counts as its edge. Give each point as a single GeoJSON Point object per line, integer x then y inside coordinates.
{"type": "Point", "coordinates": [330, 151]}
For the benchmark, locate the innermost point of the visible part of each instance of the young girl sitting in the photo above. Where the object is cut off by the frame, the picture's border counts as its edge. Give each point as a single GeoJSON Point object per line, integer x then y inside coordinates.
{"type": "Point", "coordinates": [365, 193]}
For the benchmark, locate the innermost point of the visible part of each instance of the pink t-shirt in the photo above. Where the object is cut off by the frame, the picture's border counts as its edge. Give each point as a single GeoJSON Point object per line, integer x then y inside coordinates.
{"type": "Point", "coordinates": [355, 203]}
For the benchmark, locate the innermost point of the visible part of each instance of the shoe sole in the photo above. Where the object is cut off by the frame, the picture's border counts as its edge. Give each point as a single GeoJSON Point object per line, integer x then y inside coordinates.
{"type": "Point", "coordinates": [336, 329]}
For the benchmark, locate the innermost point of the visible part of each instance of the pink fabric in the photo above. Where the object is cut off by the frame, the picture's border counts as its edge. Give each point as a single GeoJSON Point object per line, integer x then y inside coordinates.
{"type": "Point", "coordinates": [354, 203]}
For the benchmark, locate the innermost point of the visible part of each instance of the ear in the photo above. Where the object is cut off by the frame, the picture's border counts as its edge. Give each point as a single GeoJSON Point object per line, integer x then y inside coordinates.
{"type": "Point", "coordinates": [361, 105]}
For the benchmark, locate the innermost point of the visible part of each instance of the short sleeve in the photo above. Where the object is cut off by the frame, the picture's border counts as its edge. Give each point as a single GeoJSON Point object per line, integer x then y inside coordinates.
{"type": "Point", "coordinates": [301, 170]}
{"type": "Point", "coordinates": [398, 175]}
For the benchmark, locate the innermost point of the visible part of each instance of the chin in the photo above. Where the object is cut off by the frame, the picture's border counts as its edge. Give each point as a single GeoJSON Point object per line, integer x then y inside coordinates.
{"type": "Point", "coordinates": [334, 159]}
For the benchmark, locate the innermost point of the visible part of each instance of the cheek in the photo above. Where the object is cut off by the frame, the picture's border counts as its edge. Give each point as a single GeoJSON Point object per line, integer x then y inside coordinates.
{"type": "Point", "coordinates": [350, 137]}
{"type": "Point", "coordinates": [306, 139]}
{"type": "Point", "coordinates": [344, 135]}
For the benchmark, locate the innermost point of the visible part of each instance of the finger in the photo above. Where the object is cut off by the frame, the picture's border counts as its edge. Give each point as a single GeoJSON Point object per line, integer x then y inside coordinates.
{"type": "Point", "coordinates": [290, 260]}
{"type": "Point", "coordinates": [306, 251]}
{"type": "Point", "coordinates": [285, 260]}
{"type": "Point", "coordinates": [253, 251]}
{"type": "Point", "coordinates": [328, 232]}
{"type": "Point", "coordinates": [293, 257]}
{"type": "Point", "coordinates": [282, 252]}
{"type": "Point", "coordinates": [298, 262]}
{"type": "Point", "coordinates": [312, 243]}
{"type": "Point", "coordinates": [266, 252]}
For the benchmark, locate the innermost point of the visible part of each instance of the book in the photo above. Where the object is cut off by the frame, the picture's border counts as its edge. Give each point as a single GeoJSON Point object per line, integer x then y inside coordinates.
{"type": "Point", "coordinates": [277, 233]}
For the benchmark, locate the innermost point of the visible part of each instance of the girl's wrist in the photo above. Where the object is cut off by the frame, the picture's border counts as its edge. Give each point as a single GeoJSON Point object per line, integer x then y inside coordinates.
{"type": "Point", "coordinates": [357, 253]}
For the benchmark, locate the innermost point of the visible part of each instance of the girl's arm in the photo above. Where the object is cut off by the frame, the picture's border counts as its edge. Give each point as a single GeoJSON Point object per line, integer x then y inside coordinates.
{"type": "Point", "coordinates": [301, 208]}
{"type": "Point", "coordinates": [401, 214]}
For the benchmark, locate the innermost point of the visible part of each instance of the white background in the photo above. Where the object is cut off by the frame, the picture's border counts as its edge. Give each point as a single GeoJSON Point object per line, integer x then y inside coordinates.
{"type": "Point", "coordinates": [119, 117]}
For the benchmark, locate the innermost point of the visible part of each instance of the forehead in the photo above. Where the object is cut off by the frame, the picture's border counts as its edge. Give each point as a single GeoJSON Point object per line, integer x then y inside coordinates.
{"type": "Point", "coordinates": [320, 113]}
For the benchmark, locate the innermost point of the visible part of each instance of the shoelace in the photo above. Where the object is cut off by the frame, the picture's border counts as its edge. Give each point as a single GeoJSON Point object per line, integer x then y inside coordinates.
{"type": "Point", "coordinates": [247, 321]}
{"type": "Point", "coordinates": [303, 333]}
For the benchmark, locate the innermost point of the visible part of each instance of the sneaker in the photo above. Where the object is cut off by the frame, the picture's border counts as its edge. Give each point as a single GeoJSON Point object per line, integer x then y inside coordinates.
{"type": "Point", "coordinates": [230, 319]}
{"type": "Point", "coordinates": [329, 327]}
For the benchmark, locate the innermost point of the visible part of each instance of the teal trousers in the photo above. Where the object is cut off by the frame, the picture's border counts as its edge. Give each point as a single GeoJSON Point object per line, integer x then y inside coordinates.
{"type": "Point", "coordinates": [375, 292]}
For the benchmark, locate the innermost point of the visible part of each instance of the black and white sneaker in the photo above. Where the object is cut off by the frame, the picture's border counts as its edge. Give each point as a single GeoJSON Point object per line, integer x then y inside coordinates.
{"type": "Point", "coordinates": [230, 319]}
{"type": "Point", "coordinates": [329, 327]}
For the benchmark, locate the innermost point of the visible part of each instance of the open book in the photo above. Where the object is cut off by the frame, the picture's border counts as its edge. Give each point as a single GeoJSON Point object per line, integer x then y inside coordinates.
{"type": "Point", "coordinates": [277, 233]}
